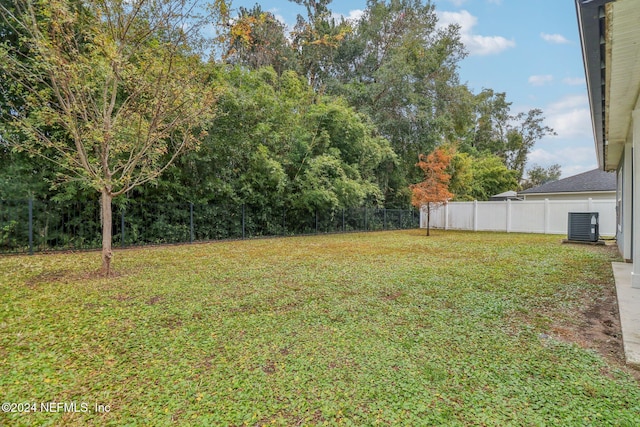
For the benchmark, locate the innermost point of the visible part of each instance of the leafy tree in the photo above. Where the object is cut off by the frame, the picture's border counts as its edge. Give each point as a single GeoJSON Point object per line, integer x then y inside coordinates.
{"type": "Point", "coordinates": [492, 115]}
{"type": "Point", "coordinates": [433, 191]}
{"type": "Point", "coordinates": [479, 177]}
{"type": "Point", "coordinates": [490, 177]}
{"type": "Point", "coordinates": [277, 144]}
{"type": "Point", "coordinates": [340, 157]}
{"type": "Point", "coordinates": [21, 177]}
{"type": "Point", "coordinates": [397, 67]}
{"type": "Point", "coordinates": [111, 91]}
{"type": "Point", "coordinates": [316, 38]}
{"type": "Point", "coordinates": [499, 132]}
{"type": "Point", "coordinates": [257, 39]}
{"type": "Point", "coordinates": [401, 70]}
{"type": "Point", "coordinates": [462, 180]}
{"type": "Point", "coordinates": [538, 175]}
{"type": "Point", "coordinates": [327, 185]}
{"type": "Point", "coordinates": [522, 136]}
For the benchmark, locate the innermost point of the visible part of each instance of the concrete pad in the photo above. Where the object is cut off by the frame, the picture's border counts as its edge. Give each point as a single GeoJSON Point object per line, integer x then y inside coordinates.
{"type": "Point", "coordinates": [585, 242]}
{"type": "Point", "coordinates": [629, 307]}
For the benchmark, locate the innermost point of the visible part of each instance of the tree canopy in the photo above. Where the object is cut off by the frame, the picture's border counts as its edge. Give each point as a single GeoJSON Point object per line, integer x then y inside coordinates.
{"type": "Point", "coordinates": [118, 96]}
{"type": "Point", "coordinates": [104, 90]}
{"type": "Point", "coordinates": [538, 175]}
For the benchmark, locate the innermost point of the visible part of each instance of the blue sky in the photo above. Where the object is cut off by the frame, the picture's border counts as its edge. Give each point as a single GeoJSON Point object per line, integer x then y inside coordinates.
{"type": "Point", "coordinates": [528, 49]}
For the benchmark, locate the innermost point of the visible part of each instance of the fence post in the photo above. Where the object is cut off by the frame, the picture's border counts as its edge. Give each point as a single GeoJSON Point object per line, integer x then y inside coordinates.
{"type": "Point", "coordinates": [475, 215]}
{"type": "Point", "coordinates": [546, 216]}
{"type": "Point", "coordinates": [508, 216]}
{"type": "Point", "coordinates": [384, 222]}
{"type": "Point", "coordinates": [365, 219]}
{"type": "Point", "coordinates": [122, 227]}
{"type": "Point", "coordinates": [191, 222]}
{"type": "Point", "coordinates": [284, 221]}
{"type": "Point", "coordinates": [446, 216]}
{"type": "Point", "coordinates": [30, 225]}
{"type": "Point", "coordinates": [243, 221]}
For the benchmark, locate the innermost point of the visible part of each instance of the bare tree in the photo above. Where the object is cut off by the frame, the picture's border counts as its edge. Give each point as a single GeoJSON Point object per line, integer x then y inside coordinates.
{"type": "Point", "coordinates": [112, 91]}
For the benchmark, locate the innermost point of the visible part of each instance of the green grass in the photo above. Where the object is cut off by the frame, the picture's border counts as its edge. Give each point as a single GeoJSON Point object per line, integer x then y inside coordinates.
{"type": "Point", "coordinates": [389, 328]}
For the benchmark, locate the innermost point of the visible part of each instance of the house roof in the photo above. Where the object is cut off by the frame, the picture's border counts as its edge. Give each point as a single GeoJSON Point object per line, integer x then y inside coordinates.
{"type": "Point", "coordinates": [594, 180]}
{"type": "Point", "coordinates": [506, 194]}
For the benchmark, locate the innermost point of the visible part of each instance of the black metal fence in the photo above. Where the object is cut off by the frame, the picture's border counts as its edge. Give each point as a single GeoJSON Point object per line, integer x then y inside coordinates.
{"type": "Point", "coordinates": [28, 226]}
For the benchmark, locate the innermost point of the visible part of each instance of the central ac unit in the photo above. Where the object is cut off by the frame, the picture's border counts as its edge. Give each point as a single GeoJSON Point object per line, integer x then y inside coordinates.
{"type": "Point", "coordinates": [583, 226]}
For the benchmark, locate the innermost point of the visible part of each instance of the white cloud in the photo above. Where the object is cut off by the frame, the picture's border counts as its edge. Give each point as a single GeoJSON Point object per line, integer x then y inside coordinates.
{"type": "Point", "coordinates": [541, 157]}
{"type": "Point", "coordinates": [540, 80]}
{"type": "Point", "coordinates": [576, 169]}
{"type": "Point", "coordinates": [279, 17]}
{"type": "Point", "coordinates": [572, 160]}
{"type": "Point", "coordinates": [458, 3]}
{"type": "Point", "coordinates": [572, 147]}
{"type": "Point", "coordinates": [570, 101]}
{"type": "Point", "coordinates": [570, 117]}
{"type": "Point", "coordinates": [545, 157]}
{"type": "Point", "coordinates": [482, 45]}
{"type": "Point", "coordinates": [554, 38]}
{"type": "Point", "coordinates": [475, 44]}
{"type": "Point", "coordinates": [573, 81]}
{"type": "Point", "coordinates": [354, 15]}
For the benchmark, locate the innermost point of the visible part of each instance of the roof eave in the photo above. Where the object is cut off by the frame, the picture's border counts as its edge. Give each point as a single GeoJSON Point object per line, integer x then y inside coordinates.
{"type": "Point", "coordinates": [556, 193]}
{"type": "Point", "coordinates": [591, 17]}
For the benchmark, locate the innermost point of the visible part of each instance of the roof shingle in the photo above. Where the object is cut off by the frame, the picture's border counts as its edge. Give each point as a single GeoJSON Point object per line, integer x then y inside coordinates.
{"type": "Point", "coordinates": [595, 180]}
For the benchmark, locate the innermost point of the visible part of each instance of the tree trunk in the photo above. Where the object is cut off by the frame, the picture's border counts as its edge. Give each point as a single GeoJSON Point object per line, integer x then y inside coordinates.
{"type": "Point", "coordinates": [428, 218]}
{"type": "Point", "coordinates": [107, 225]}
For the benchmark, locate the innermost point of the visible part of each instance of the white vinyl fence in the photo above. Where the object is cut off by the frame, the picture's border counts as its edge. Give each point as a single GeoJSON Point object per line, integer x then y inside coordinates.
{"type": "Point", "coordinates": [536, 216]}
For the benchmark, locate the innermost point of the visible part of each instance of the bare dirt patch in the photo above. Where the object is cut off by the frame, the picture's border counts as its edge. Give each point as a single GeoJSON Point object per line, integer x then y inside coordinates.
{"type": "Point", "coordinates": [601, 328]}
{"type": "Point", "coordinates": [602, 332]}
{"type": "Point", "coordinates": [597, 327]}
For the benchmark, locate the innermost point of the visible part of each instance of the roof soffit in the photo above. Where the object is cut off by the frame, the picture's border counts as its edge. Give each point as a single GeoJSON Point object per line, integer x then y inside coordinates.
{"type": "Point", "coordinates": [622, 73]}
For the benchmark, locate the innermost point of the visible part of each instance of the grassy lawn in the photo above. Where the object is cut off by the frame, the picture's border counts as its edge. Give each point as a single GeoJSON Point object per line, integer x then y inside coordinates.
{"type": "Point", "coordinates": [388, 328]}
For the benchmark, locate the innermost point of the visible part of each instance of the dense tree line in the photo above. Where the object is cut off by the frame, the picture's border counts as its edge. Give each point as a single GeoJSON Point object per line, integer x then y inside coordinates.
{"type": "Point", "coordinates": [332, 114]}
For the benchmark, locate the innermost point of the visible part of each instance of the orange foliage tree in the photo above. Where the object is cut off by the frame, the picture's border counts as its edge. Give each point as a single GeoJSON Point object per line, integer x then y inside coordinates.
{"type": "Point", "coordinates": [434, 190]}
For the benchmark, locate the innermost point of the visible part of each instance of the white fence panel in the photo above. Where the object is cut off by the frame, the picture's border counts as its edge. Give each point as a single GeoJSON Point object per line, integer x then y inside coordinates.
{"type": "Point", "coordinates": [461, 217]}
{"type": "Point", "coordinates": [608, 216]}
{"type": "Point", "coordinates": [491, 216]}
{"type": "Point", "coordinates": [438, 216]}
{"type": "Point", "coordinates": [539, 216]}
{"type": "Point", "coordinates": [528, 217]}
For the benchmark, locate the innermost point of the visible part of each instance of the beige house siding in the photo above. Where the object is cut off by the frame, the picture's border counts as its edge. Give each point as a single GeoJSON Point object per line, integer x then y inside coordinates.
{"type": "Point", "coordinates": [595, 195]}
